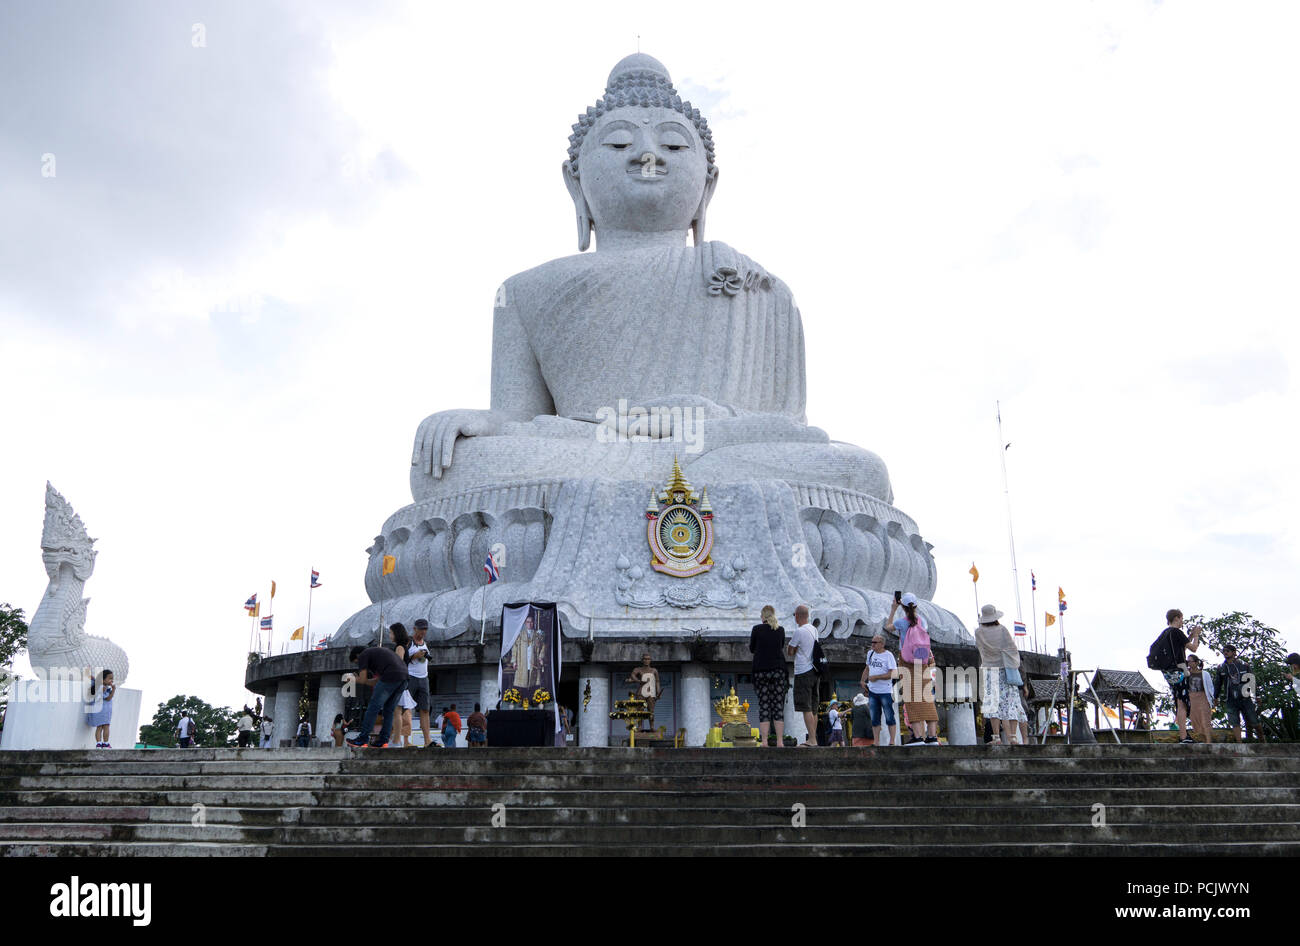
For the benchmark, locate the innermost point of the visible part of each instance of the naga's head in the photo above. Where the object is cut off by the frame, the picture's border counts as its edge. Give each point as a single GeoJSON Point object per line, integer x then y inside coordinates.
{"type": "Point", "coordinates": [64, 540]}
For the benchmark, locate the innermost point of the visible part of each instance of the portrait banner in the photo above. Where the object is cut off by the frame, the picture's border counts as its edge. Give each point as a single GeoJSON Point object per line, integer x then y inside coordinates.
{"type": "Point", "coordinates": [530, 654]}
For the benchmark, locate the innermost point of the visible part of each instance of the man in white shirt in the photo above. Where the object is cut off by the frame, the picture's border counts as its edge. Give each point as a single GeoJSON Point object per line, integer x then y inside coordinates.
{"type": "Point", "coordinates": [245, 728]}
{"type": "Point", "coordinates": [185, 729]}
{"type": "Point", "coordinates": [268, 730]}
{"type": "Point", "coordinates": [417, 676]}
{"type": "Point", "coordinates": [805, 677]}
{"type": "Point", "coordinates": [878, 681]}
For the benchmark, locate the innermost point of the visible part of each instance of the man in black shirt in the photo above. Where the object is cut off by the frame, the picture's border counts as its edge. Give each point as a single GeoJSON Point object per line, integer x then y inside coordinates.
{"type": "Point", "coordinates": [1180, 643]}
{"type": "Point", "coordinates": [1231, 686]}
{"type": "Point", "coordinates": [386, 672]}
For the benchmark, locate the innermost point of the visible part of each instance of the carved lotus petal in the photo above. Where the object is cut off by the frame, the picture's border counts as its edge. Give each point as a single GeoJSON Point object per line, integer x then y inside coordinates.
{"type": "Point", "coordinates": [622, 562]}
{"type": "Point", "coordinates": [683, 596]}
{"type": "Point", "coordinates": [635, 572]}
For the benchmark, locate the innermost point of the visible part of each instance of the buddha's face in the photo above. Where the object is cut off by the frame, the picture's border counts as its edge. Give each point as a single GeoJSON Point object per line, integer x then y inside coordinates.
{"type": "Point", "coordinates": [643, 169]}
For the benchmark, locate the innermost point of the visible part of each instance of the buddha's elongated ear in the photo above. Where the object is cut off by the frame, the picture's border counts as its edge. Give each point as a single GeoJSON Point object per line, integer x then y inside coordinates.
{"type": "Point", "coordinates": [697, 225]}
{"type": "Point", "coordinates": [585, 225]}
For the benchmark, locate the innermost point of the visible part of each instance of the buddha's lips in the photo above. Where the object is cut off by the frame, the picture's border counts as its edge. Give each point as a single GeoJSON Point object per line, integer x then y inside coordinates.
{"type": "Point", "coordinates": [638, 172]}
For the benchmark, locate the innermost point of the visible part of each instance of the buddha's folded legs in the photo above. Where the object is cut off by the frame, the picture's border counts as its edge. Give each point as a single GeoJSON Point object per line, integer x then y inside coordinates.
{"type": "Point", "coordinates": [711, 454]}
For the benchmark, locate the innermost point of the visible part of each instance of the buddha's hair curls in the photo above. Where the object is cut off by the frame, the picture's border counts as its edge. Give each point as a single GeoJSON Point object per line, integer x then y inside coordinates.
{"type": "Point", "coordinates": [642, 88]}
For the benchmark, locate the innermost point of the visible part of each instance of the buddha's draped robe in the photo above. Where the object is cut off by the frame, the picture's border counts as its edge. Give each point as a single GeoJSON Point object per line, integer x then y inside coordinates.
{"type": "Point", "coordinates": [643, 326]}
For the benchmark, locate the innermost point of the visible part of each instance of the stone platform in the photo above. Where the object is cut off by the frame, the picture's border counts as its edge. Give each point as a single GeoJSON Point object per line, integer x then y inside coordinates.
{"type": "Point", "coordinates": [1160, 801]}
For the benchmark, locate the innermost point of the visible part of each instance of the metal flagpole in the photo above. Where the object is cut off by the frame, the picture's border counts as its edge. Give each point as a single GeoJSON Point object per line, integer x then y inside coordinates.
{"type": "Point", "coordinates": [1033, 604]}
{"type": "Point", "coordinates": [1011, 536]}
{"type": "Point", "coordinates": [310, 590]}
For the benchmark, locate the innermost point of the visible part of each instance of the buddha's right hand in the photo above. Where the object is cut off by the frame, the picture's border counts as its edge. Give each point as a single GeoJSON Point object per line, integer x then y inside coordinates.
{"type": "Point", "coordinates": [436, 438]}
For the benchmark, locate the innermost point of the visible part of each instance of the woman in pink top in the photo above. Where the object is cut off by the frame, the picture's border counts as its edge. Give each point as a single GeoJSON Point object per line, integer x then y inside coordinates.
{"type": "Point", "coordinates": [917, 665]}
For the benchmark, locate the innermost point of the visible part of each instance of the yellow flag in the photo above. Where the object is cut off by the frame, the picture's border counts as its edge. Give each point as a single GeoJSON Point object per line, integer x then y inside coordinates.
{"type": "Point", "coordinates": [297, 635]}
{"type": "Point", "coordinates": [390, 565]}
{"type": "Point", "coordinates": [1048, 619]}
{"type": "Point", "coordinates": [272, 589]}
{"type": "Point", "coordinates": [974, 572]}
{"type": "Point", "coordinates": [257, 610]}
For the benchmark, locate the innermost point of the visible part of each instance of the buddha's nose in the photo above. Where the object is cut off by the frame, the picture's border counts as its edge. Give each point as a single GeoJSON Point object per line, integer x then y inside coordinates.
{"type": "Point", "coordinates": [648, 161]}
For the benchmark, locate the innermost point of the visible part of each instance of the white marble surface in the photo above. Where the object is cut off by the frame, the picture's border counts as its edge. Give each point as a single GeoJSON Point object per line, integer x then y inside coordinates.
{"type": "Point", "coordinates": [593, 718]}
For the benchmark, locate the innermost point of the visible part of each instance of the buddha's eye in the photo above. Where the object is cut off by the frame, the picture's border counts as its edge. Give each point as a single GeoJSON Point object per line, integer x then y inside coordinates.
{"type": "Point", "coordinates": [618, 140]}
{"type": "Point", "coordinates": [672, 141]}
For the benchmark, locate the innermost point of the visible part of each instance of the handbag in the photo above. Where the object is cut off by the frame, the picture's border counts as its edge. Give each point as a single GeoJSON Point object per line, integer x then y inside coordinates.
{"type": "Point", "coordinates": [1013, 678]}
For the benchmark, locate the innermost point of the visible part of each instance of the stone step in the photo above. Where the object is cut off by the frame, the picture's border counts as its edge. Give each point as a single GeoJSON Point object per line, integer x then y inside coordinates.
{"type": "Point", "coordinates": [833, 763]}
{"type": "Point", "coordinates": [1256, 814]}
{"type": "Point", "coordinates": [737, 831]}
{"type": "Point", "coordinates": [1093, 849]}
{"type": "Point", "coordinates": [716, 782]}
{"type": "Point", "coordinates": [787, 795]}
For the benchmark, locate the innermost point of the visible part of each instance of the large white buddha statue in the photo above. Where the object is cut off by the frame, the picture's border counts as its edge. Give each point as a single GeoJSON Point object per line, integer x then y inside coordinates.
{"type": "Point", "coordinates": [656, 355]}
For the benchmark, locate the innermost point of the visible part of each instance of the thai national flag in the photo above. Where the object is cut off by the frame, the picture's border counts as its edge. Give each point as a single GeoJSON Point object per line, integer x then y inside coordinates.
{"type": "Point", "coordinates": [323, 643]}
{"type": "Point", "coordinates": [251, 604]}
{"type": "Point", "coordinates": [266, 623]}
{"type": "Point", "coordinates": [1033, 582]}
{"type": "Point", "coordinates": [1020, 629]}
{"type": "Point", "coordinates": [315, 578]}
{"type": "Point", "coordinates": [1060, 596]}
{"type": "Point", "coordinates": [490, 566]}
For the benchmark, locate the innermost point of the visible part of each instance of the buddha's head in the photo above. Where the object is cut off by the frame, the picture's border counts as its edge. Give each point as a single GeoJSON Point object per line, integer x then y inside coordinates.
{"type": "Point", "coordinates": [640, 159]}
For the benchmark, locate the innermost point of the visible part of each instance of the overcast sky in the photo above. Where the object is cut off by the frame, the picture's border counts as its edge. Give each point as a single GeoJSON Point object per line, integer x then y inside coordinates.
{"type": "Point", "coordinates": [261, 261]}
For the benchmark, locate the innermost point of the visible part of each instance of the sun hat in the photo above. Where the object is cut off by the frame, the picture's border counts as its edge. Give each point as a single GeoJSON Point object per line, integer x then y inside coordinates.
{"type": "Point", "coordinates": [860, 700]}
{"type": "Point", "coordinates": [989, 614]}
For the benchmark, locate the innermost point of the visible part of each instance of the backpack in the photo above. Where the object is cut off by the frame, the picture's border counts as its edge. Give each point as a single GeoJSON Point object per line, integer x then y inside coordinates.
{"type": "Point", "coordinates": [819, 661]}
{"type": "Point", "coordinates": [1161, 654]}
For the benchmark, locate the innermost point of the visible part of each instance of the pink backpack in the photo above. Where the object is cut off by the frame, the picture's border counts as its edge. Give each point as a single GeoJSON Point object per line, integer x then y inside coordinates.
{"type": "Point", "coordinates": [916, 644]}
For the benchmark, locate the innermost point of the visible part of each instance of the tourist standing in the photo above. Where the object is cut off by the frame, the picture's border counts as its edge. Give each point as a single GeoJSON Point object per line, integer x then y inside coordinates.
{"type": "Point", "coordinates": [477, 729]}
{"type": "Point", "coordinates": [836, 725]}
{"type": "Point", "coordinates": [339, 729]}
{"type": "Point", "coordinates": [185, 730]}
{"type": "Point", "coordinates": [918, 656]}
{"type": "Point", "coordinates": [1293, 672]}
{"type": "Point", "coordinates": [385, 671]}
{"type": "Point", "coordinates": [806, 679]}
{"type": "Point", "coordinates": [1000, 664]}
{"type": "Point", "coordinates": [99, 707]}
{"type": "Point", "coordinates": [1178, 645]}
{"type": "Point", "coordinates": [245, 728]}
{"type": "Point", "coordinates": [451, 725]}
{"type": "Point", "coordinates": [878, 683]}
{"type": "Point", "coordinates": [770, 680]}
{"type": "Point", "coordinates": [438, 721]}
{"type": "Point", "coordinates": [417, 669]}
{"type": "Point", "coordinates": [268, 730]}
{"type": "Point", "coordinates": [304, 733]}
{"type": "Point", "coordinates": [1200, 692]}
{"type": "Point", "coordinates": [1230, 685]}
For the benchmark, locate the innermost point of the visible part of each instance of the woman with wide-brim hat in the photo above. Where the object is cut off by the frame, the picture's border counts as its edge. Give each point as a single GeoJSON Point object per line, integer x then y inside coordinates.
{"type": "Point", "coordinates": [1000, 669]}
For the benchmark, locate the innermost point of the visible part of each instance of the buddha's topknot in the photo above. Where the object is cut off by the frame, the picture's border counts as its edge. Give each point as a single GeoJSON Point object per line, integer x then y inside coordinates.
{"type": "Point", "coordinates": [639, 80]}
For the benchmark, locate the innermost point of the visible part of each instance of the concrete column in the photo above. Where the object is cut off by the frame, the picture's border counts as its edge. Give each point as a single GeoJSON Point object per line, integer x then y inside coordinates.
{"type": "Point", "coordinates": [696, 708]}
{"type": "Point", "coordinates": [329, 703]}
{"type": "Point", "coordinates": [794, 724]}
{"type": "Point", "coordinates": [961, 725]}
{"type": "Point", "coordinates": [488, 692]}
{"type": "Point", "coordinates": [593, 714]}
{"type": "Point", "coordinates": [286, 711]}
{"type": "Point", "coordinates": [268, 710]}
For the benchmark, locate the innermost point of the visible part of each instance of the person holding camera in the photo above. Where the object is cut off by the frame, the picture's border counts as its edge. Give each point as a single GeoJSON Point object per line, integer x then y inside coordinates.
{"type": "Point", "coordinates": [1230, 682]}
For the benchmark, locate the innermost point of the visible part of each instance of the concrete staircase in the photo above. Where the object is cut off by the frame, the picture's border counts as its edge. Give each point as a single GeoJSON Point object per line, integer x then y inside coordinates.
{"type": "Point", "coordinates": [945, 800]}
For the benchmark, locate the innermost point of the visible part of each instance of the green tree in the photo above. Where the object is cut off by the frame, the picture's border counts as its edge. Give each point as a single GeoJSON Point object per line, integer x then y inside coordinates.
{"type": "Point", "coordinates": [214, 725]}
{"type": "Point", "coordinates": [13, 641]}
{"type": "Point", "coordinates": [13, 634]}
{"type": "Point", "coordinates": [1260, 646]}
